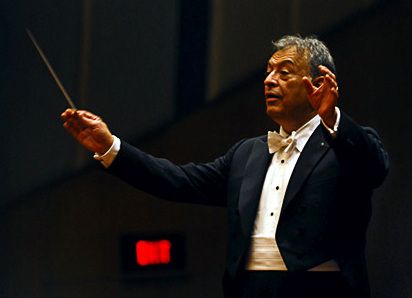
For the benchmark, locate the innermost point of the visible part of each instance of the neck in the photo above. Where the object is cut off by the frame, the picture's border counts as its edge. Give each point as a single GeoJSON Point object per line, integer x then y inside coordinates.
{"type": "Point", "coordinates": [289, 126]}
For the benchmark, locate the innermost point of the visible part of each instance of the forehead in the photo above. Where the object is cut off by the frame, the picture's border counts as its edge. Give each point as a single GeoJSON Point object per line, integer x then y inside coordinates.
{"type": "Point", "coordinates": [288, 56]}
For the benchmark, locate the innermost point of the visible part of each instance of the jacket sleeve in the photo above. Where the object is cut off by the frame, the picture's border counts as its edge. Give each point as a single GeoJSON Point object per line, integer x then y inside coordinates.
{"type": "Point", "coordinates": [203, 183]}
{"type": "Point", "coordinates": [360, 151]}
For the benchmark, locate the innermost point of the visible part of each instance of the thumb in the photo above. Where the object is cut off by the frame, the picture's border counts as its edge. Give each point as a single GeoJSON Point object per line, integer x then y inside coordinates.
{"type": "Point", "coordinates": [308, 85]}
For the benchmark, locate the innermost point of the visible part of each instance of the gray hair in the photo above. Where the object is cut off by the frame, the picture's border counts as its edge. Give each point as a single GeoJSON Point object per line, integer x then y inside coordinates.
{"type": "Point", "coordinates": [314, 50]}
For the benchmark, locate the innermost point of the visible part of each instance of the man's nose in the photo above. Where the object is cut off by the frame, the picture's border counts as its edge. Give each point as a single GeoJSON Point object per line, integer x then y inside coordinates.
{"type": "Point", "coordinates": [271, 79]}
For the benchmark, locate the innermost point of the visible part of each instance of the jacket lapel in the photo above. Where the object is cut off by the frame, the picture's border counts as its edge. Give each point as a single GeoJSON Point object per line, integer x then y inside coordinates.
{"type": "Point", "coordinates": [313, 151]}
{"type": "Point", "coordinates": [251, 188]}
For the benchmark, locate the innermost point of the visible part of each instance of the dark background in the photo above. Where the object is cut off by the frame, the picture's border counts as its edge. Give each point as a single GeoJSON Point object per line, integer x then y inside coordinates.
{"type": "Point", "coordinates": [162, 72]}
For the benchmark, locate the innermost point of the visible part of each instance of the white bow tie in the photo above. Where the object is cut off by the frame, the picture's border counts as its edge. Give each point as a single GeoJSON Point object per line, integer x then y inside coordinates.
{"type": "Point", "coordinates": [276, 142]}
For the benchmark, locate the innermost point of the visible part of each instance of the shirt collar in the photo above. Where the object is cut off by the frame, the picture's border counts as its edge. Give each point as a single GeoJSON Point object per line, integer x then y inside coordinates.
{"type": "Point", "coordinates": [304, 132]}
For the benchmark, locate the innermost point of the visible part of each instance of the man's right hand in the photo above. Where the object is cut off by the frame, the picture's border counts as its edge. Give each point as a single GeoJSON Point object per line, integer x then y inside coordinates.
{"type": "Point", "coordinates": [88, 129]}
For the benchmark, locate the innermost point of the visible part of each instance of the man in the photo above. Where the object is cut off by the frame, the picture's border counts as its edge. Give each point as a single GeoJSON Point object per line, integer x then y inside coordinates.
{"type": "Point", "coordinates": [298, 202]}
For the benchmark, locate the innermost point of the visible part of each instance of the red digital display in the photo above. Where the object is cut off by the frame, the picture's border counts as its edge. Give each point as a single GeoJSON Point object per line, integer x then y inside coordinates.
{"type": "Point", "coordinates": [153, 252]}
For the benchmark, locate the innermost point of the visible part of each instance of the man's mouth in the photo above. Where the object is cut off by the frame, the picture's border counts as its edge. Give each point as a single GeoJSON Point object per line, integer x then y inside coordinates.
{"type": "Point", "coordinates": [272, 96]}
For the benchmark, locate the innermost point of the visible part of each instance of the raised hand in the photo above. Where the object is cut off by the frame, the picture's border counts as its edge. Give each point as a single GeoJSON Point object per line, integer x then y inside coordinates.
{"type": "Point", "coordinates": [88, 129]}
{"type": "Point", "coordinates": [323, 94]}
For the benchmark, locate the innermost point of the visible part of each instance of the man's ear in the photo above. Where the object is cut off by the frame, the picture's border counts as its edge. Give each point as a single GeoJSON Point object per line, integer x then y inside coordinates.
{"type": "Point", "coordinates": [318, 81]}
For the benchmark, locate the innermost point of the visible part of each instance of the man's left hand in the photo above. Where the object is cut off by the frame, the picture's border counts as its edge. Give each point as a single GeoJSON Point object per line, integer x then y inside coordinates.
{"type": "Point", "coordinates": [324, 97]}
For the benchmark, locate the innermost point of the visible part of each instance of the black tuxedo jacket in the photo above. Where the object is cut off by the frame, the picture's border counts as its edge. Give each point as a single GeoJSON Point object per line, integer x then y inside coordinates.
{"type": "Point", "coordinates": [326, 207]}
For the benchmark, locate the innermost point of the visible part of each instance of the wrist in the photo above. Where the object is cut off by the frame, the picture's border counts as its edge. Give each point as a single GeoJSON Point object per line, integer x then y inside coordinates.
{"type": "Point", "coordinates": [330, 119]}
{"type": "Point", "coordinates": [108, 144]}
{"type": "Point", "coordinates": [108, 157]}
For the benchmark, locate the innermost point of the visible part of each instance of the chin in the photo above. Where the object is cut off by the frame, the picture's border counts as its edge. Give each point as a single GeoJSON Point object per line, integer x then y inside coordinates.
{"type": "Point", "coordinates": [273, 113]}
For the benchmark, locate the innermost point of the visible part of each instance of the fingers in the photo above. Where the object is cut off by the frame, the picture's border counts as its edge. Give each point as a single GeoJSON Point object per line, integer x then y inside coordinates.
{"type": "Point", "coordinates": [74, 126]}
{"type": "Point", "coordinates": [330, 80]}
{"type": "Point", "coordinates": [81, 116]}
{"type": "Point", "coordinates": [77, 121]}
{"type": "Point", "coordinates": [326, 71]}
{"type": "Point", "coordinates": [87, 115]}
{"type": "Point", "coordinates": [332, 85]}
{"type": "Point", "coordinates": [71, 129]}
{"type": "Point", "coordinates": [329, 75]}
{"type": "Point", "coordinates": [67, 114]}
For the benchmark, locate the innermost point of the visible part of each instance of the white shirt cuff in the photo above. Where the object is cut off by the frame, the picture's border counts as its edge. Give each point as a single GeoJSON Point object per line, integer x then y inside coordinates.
{"type": "Point", "coordinates": [333, 131]}
{"type": "Point", "coordinates": [108, 157]}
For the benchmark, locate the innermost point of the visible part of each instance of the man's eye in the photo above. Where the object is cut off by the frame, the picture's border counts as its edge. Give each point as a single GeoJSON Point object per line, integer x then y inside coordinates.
{"type": "Point", "coordinates": [282, 74]}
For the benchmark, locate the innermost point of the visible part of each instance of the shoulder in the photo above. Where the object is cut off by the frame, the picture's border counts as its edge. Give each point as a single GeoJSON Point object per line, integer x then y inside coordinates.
{"type": "Point", "coordinates": [245, 147]}
{"type": "Point", "coordinates": [249, 143]}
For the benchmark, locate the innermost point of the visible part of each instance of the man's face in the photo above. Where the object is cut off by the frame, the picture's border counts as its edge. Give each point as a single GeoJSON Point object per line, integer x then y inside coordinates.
{"type": "Point", "coordinates": [286, 97]}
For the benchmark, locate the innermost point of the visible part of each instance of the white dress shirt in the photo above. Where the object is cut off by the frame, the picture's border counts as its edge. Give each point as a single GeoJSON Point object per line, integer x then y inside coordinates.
{"type": "Point", "coordinates": [264, 253]}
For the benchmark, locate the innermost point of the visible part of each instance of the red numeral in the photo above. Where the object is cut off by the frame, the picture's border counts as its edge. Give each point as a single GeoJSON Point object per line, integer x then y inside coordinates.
{"type": "Point", "coordinates": [153, 252]}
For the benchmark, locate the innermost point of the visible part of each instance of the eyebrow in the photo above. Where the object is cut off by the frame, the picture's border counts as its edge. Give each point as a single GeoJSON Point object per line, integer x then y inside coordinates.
{"type": "Point", "coordinates": [281, 63]}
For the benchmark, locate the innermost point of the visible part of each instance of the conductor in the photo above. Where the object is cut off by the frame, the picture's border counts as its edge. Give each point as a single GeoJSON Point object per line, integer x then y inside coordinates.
{"type": "Point", "coordinates": [298, 200]}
